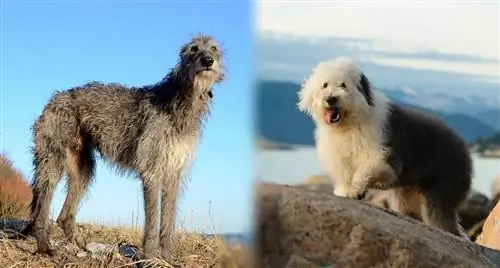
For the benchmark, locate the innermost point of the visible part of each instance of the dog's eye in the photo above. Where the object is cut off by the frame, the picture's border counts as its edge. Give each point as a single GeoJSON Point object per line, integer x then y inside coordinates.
{"type": "Point", "coordinates": [342, 85]}
{"type": "Point", "coordinates": [194, 48]}
{"type": "Point", "coordinates": [213, 48]}
{"type": "Point", "coordinates": [325, 85]}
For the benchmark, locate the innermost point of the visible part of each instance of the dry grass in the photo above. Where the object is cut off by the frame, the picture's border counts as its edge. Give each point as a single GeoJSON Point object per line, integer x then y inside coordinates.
{"type": "Point", "coordinates": [190, 250]}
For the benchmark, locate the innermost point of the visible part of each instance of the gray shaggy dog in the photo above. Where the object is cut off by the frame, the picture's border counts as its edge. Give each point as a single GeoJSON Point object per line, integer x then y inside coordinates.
{"type": "Point", "coordinates": [151, 131]}
{"type": "Point", "coordinates": [365, 141]}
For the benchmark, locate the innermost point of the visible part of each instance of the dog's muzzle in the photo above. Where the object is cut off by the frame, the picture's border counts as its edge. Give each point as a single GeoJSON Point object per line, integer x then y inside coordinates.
{"type": "Point", "coordinates": [207, 61]}
{"type": "Point", "coordinates": [205, 64]}
{"type": "Point", "coordinates": [333, 113]}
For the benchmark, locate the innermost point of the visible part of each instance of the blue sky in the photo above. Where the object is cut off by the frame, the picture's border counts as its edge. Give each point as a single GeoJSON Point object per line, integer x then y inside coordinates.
{"type": "Point", "coordinates": [54, 45]}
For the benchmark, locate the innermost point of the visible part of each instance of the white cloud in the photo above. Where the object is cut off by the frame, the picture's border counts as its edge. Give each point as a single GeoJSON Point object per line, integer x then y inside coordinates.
{"type": "Point", "coordinates": [479, 69]}
{"type": "Point", "coordinates": [444, 27]}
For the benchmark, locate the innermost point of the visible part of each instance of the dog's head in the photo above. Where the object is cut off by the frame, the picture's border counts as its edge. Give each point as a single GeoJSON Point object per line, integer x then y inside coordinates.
{"type": "Point", "coordinates": [336, 92]}
{"type": "Point", "coordinates": [201, 59]}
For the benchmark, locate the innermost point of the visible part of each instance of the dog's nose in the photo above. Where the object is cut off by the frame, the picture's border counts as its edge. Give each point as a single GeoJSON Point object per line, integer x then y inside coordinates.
{"type": "Point", "coordinates": [332, 100]}
{"type": "Point", "coordinates": [207, 61]}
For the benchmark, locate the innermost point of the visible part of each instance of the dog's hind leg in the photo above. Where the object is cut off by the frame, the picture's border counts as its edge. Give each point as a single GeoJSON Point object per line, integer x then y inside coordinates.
{"type": "Point", "coordinates": [80, 165]}
{"type": "Point", "coordinates": [48, 172]}
{"type": "Point", "coordinates": [407, 201]}
{"type": "Point", "coordinates": [55, 130]}
{"type": "Point", "coordinates": [439, 212]}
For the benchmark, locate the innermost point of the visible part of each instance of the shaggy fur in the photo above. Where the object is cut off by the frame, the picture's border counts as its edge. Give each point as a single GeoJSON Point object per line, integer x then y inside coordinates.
{"type": "Point", "coordinates": [364, 141]}
{"type": "Point", "coordinates": [151, 131]}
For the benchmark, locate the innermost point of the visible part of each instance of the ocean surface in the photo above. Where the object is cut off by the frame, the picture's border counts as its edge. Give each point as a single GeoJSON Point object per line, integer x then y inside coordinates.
{"type": "Point", "coordinates": [295, 166]}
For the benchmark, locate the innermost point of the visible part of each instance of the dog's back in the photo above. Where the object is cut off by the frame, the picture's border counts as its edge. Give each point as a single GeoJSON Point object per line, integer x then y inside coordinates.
{"type": "Point", "coordinates": [107, 117]}
{"type": "Point", "coordinates": [433, 160]}
{"type": "Point", "coordinates": [428, 149]}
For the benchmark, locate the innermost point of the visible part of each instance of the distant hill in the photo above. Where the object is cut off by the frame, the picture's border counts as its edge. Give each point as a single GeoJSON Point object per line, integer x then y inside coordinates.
{"type": "Point", "coordinates": [280, 121]}
{"type": "Point", "coordinates": [490, 117]}
{"type": "Point", "coordinates": [485, 109]}
{"type": "Point", "coordinates": [492, 142]}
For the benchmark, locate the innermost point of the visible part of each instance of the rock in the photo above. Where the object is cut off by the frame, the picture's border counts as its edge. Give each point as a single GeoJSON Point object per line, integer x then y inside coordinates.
{"type": "Point", "coordinates": [130, 251]}
{"type": "Point", "coordinates": [472, 212]}
{"type": "Point", "coordinates": [495, 190]}
{"type": "Point", "coordinates": [98, 247]}
{"type": "Point", "coordinates": [12, 227]}
{"type": "Point", "coordinates": [319, 182]}
{"type": "Point", "coordinates": [296, 261]}
{"type": "Point", "coordinates": [379, 198]}
{"type": "Point", "coordinates": [331, 231]}
{"type": "Point", "coordinates": [81, 254]}
{"type": "Point", "coordinates": [317, 179]}
{"type": "Point", "coordinates": [97, 250]}
{"type": "Point", "coordinates": [490, 237]}
{"type": "Point", "coordinates": [475, 209]}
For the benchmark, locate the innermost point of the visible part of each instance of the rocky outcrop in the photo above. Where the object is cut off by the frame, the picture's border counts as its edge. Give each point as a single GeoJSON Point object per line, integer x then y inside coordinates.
{"type": "Point", "coordinates": [303, 227]}
{"type": "Point", "coordinates": [472, 212]}
{"type": "Point", "coordinates": [317, 179]}
{"type": "Point", "coordinates": [495, 189]}
{"type": "Point", "coordinates": [490, 237]}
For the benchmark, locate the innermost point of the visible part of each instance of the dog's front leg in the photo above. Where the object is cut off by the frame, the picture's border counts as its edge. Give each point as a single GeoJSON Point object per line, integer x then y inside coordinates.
{"type": "Point", "coordinates": [381, 177]}
{"type": "Point", "coordinates": [340, 189]}
{"type": "Point", "coordinates": [358, 186]}
{"type": "Point", "coordinates": [169, 199]}
{"type": "Point", "coordinates": [341, 179]}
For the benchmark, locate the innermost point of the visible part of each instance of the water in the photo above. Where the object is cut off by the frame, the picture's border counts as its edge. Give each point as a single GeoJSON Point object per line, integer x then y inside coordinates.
{"type": "Point", "coordinates": [235, 238]}
{"type": "Point", "coordinates": [290, 167]}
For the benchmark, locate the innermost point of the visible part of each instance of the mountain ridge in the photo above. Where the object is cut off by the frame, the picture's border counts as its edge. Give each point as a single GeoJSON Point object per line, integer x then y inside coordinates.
{"type": "Point", "coordinates": [280, 121]}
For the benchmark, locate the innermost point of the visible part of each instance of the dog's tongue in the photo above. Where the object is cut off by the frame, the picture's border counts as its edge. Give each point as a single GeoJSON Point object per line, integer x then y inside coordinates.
{"type": "Point", "coordinates": [328, 116]}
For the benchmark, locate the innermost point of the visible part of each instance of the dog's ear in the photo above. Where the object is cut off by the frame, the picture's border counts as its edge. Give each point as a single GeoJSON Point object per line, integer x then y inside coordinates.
{"type": "Point", "coordinates": [305, 98]}
{"type": "Point", "coordinates": [364, 87]}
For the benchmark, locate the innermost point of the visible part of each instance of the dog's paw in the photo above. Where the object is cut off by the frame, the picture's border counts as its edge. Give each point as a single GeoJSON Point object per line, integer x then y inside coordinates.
{"type": "Point", "coordinates": [357, 194]}
{"type": "Point", "coordinates": [339, 191]}
{"type": "Point", "coordinates": [46, 252]}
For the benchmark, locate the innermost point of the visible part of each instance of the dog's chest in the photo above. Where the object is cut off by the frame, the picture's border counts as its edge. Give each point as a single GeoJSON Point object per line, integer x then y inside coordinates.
{"type": "Point", "coordinates": [341, 153]}
{"type": "Point", "coordinates": [182, 151]}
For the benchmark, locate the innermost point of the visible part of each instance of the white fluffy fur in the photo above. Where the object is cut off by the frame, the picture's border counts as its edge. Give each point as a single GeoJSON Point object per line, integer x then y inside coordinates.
{"type": "Point", "coordinates": [351, 152]}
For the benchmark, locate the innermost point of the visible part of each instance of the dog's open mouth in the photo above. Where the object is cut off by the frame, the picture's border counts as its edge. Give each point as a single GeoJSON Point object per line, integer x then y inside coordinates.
{"type": "Point", "coordinates": [333, 115]}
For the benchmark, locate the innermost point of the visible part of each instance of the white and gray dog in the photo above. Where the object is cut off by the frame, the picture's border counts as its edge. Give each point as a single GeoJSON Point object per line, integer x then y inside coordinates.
{"type": "Point", "coordinates": [364, 141]}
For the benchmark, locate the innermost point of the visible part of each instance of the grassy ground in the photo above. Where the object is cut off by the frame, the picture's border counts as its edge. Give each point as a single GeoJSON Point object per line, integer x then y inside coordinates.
{"type": "Point", "coordinates": [190, 250]}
